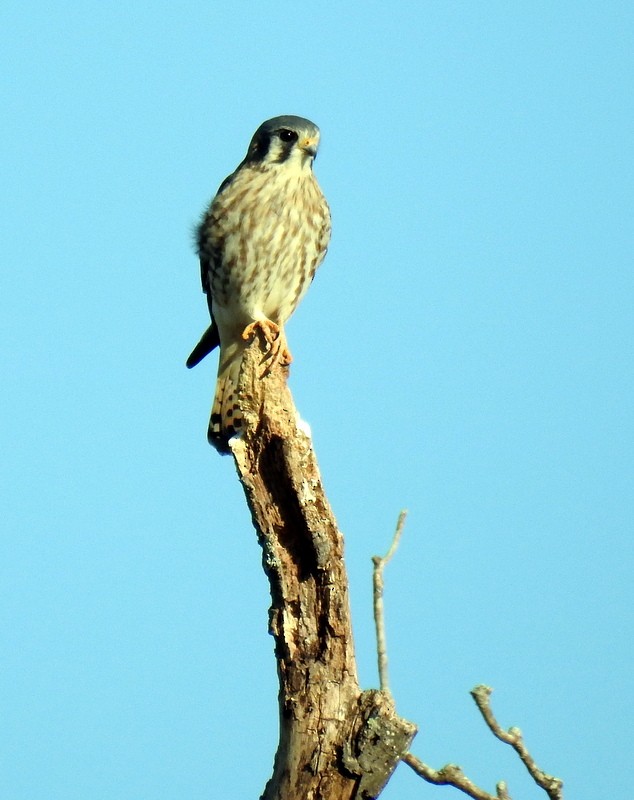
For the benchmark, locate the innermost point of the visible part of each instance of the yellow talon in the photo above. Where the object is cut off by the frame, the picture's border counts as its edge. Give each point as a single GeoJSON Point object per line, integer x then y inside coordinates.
{"type": "Point", "coordinates": [278, 352]}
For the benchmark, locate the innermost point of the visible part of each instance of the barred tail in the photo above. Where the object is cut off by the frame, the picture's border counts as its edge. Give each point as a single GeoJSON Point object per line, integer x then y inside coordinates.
{"type": "Point", "coordinates": [226, 417]}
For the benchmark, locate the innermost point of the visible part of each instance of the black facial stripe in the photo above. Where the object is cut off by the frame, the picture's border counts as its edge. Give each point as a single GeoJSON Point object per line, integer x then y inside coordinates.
{"type": "Point", "coordinates": [259, 147]}
{"type": "Point", "coordinates": [285, 152]}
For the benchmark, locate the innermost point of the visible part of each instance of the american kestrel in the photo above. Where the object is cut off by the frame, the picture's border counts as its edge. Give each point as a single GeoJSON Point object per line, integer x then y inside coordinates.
{"type": "Point", "coordinates": [260, 242]}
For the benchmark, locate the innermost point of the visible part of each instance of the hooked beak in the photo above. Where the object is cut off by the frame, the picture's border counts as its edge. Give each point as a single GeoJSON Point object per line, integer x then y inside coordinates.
{"type": "Point", "coordinates": [309, 145]}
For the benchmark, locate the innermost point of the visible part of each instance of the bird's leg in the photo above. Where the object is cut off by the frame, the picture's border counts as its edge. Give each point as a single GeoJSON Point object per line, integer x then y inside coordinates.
{"type": "Point", "coordinates": [278, 352]}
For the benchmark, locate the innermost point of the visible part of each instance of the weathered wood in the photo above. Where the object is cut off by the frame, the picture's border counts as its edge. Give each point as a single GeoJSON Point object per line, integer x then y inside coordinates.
{"type": "Point", "coordinates": [336, 742]}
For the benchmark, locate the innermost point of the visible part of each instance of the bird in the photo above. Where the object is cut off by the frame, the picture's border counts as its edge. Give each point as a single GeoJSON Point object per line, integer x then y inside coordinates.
{"type": "Point", "coordinates": [259, 242]}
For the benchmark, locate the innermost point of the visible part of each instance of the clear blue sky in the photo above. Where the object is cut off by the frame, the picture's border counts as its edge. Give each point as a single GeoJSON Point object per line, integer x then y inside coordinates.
{"type": "Point", "coordinates": [465, 352]}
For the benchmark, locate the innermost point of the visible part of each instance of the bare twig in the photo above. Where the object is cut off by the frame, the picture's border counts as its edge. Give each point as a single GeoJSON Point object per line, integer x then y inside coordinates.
{"type": "Point", "coordinates": [452, 775]}
{"type": "Point", "coordinates": [551, 785]}
{"type": "Point", "coordinates": [379, 618]}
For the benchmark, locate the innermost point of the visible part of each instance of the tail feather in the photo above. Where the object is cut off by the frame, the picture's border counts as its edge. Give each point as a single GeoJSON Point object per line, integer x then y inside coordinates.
{"type": "Point", "coordinates": [208, 342]}
{"type": "Point", "coordinates": [226, 417]}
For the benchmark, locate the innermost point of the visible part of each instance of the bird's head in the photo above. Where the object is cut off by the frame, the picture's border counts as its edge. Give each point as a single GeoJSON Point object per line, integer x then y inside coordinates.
{"type": "Point", "coordinates": [288, 139]}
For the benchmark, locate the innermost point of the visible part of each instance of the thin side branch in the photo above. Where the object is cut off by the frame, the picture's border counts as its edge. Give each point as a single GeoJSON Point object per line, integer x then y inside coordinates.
{"type": "Point", "coordinates": [379, 563]}
{"type": "Point", "coordinates": [452, 775]}
{"type": "Point", "coordinates": [551, 785]}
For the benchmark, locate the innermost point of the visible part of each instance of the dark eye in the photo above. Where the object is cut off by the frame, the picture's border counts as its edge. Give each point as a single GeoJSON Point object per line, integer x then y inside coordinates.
{"type": "Point", "coordinates": [288, 136]}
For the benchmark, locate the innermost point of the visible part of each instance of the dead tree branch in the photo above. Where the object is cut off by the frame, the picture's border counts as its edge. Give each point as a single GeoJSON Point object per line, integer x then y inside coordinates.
{"type": "Point", "coordinates": [551, 785]}
{"type": "Point", "coordinates": [336, 741]}
{"type": "Point", "coordinates": [379, 563]}
{"type": "Point", "coordinates": [451, 774]}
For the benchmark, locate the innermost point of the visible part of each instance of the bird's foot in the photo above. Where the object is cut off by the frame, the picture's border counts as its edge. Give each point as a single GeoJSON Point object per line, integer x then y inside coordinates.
{"type": "Point", "coordinates": [273, 334]}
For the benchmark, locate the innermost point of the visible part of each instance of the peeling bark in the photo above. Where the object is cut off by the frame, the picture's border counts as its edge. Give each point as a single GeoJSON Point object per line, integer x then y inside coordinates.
{"type": "Point", "coordinates": [336, 742]}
